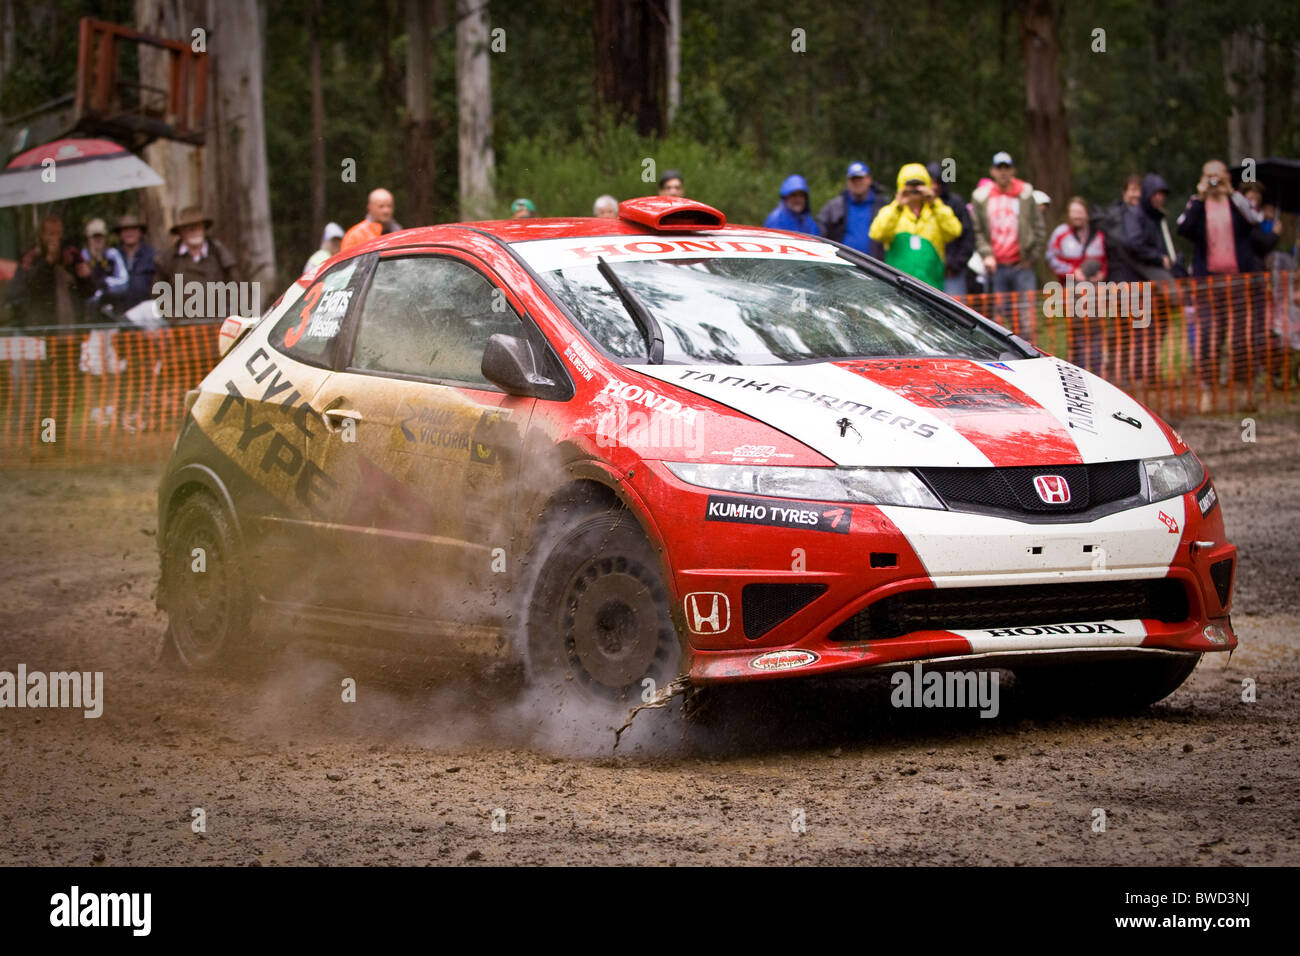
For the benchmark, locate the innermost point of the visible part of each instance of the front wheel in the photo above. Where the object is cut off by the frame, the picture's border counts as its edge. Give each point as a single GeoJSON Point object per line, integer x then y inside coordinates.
{"type": "Point", "coordinates": [203, 585]}
{"type": "Point", "coordinates": [1113, 687]}
{"type": "Point", "coordinates": [598, 623]}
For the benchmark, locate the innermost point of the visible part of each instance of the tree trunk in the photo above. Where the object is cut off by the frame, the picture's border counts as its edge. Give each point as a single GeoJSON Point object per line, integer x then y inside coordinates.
{"type": "Point", "coordinates": [228, 175]}
{"type": "Point", "coordinates": [419, 123]}
{"type": "Point", "coordinates": [317, 121]}
{"type": "Point", "coordinates": [1047, 137]}
{"type": "Point", "coordinates": [474, 107]}
{"type": "Point", "coordinates": [631, 61]}
{"type": "Point", "coordinates": [235, 188]}
{"type": "Point", "coordinates": [674, 58]}
{"type": "Point", "coordinates": [1243, 77]}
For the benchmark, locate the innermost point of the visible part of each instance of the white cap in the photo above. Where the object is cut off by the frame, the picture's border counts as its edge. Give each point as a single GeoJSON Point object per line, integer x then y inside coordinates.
{"type": "Point", "coordinates": [1042, 198]}
{"type": "Point", "coordinates": [332, 231]}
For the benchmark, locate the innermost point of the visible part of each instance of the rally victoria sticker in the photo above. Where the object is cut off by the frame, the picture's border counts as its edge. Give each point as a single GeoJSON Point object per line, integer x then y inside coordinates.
{"type": "Point", "coordinates": [783, 660]}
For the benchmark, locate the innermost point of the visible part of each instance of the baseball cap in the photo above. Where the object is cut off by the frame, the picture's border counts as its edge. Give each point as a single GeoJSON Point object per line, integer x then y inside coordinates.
{"type": "Point", "coordinates": [522, 203]}
{"type": "Point", "coordinates": [1003, 158]}
{"type": "Point", "coordinates": [332, 231]}
{"type": "Point", "coordinates": [857, 169]}
{"type": "Point", "coordinates": [96, 227]}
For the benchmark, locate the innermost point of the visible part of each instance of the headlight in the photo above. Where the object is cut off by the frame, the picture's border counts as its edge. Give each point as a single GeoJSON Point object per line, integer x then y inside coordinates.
{"type": "Point", "coordinates": [868, 486]}
{"type": "Point", "coordinates": [1172, 476]}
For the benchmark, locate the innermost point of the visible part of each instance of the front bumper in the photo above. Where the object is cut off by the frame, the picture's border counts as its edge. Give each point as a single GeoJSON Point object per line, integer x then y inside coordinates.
{"type": "Point", "coordinates": [818, 586]}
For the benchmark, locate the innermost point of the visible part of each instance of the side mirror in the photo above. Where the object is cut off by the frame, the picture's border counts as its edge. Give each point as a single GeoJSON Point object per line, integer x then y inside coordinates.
{"type": "Point", "coordinates": [509, 363]}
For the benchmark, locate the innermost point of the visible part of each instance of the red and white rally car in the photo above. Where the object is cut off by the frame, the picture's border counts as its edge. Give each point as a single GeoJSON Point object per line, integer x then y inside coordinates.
{"type": "Point", "coordinates": [665, 445]}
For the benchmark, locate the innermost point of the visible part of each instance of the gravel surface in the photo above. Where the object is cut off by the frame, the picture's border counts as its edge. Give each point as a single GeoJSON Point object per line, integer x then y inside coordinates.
{"type": "Point", "coordinates": [422, 769]}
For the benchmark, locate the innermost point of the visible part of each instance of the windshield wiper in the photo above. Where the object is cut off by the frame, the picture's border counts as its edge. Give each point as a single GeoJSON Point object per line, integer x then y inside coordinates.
{"type": "Point", "coordinates": [645, 321]}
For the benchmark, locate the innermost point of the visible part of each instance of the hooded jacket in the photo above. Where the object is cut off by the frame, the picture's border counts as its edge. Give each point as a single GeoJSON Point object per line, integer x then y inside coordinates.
{"type": "Point", "coordinates": [1031, 232]}
{"type": "Point", "coordinates": [916, 243]}
{"type": "Point", "coordinates": [783, 218]}
{"type": "Point", "coordinates": [959, 251]}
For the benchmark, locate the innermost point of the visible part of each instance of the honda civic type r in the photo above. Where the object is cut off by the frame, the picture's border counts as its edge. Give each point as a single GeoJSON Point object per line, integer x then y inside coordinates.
{"type": "Point", "coordinates": [663, 445]}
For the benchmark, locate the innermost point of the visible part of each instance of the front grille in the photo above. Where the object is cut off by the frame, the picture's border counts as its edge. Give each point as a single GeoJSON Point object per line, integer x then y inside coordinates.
{"type": "Point", "coordinates": [944, 609]}
{"type": "Point", "coordinates": [1012, 489]}
{"type": "Point", "coordinates": [764, 606]}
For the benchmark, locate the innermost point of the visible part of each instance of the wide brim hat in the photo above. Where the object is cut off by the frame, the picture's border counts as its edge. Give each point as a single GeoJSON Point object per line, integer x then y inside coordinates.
{"type": "Point", "coordinates": [128, 221]}
{"type": "Point", "coordinates": [189, 216]}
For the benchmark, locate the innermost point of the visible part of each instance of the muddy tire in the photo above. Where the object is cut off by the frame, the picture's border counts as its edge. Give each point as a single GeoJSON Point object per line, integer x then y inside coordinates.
{"type": "Point", "coordinates": [204, 594]}
{"type": "Point", "coordinates": [1110, 688]}
{"type": "Point", "coordinates": [597, 622]}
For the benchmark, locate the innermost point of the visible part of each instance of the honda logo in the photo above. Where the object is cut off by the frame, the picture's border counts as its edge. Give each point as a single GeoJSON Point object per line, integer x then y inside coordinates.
{"type": "Point", "coordinates": [707, 612]}
{"type": "Point", "coordinates": [1053, 489]}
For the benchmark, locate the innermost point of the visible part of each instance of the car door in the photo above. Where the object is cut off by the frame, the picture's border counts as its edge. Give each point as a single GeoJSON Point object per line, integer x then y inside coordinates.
{"type": "Point", "coordinates": [434, 447]}
{"type": "Point", "coordinates": [269, 411]}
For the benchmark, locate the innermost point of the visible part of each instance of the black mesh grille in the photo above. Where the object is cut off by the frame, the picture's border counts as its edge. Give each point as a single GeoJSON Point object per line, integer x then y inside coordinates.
{"type": "Point", "coordinates": [949, 608]}
{"type": "Point", "coordinates": [764, 606]}
{"type": "Point", "coordinates": [1221, 575]}
{"type": "Point", "coordinates": [1012, 489]}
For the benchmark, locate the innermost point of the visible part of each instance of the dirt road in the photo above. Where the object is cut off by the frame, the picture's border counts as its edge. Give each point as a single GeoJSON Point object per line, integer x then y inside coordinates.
{"type": "Point", "coordinates": [420, 770]}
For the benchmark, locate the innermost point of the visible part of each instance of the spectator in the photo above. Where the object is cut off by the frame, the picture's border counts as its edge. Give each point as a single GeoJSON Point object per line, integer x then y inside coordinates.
{"type": "Point", "coordinates": [956, 256]}
{"type": "Point", "coordinates": [379, 220]}
{"type": "Point", "coordinates": [916, 227]}
{"type": "Point", "coordinates": [605, 207]}
{"type": "Point", "coordinates": [670, 183]}
{"type": "Point", "coordinates": [197, 257]}
{"type": "Point", "coordinates": [1010, 234]}
{"type": "Point", "coordinates": [331, 241]}
{"type": "Point", "coordinates": [49, 288]}
{"type": "Point", "coordinates": [1076, 248]}
{"type": "Point", "coordinates": [848, 216]}
{"type": "Point", "coordinates": [792, 211]}
{"type": "Point", "coordinates": [1227, 240]}
{"type": "Point", "coordinates": [140, 260]}
{"type": "Point", "coordinates": [99, 360]}
{"type": "Point", "coordinates": [523, 208]}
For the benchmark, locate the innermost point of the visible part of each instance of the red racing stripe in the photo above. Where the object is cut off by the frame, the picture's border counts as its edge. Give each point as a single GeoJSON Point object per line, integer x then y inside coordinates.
{"type": "Point", "coordinates": [1004, 423]}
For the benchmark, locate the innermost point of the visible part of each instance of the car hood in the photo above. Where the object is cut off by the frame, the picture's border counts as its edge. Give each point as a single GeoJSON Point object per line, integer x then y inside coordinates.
{"type": "Point", "coordinates": [934, 412]}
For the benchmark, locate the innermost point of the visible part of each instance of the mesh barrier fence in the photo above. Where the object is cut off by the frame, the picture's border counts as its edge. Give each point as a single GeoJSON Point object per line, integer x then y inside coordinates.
{"type": "Point", "coordinates": [1228, 343]}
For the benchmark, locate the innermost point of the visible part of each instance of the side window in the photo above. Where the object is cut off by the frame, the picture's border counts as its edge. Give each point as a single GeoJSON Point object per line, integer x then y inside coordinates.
{"type": "Point", "coordinates": [432, 317]}
{"type": "Point", "coordinates": [308, 329]}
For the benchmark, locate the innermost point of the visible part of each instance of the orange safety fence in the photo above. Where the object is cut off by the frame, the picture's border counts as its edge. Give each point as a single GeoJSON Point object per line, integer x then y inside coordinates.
{"type": "Point", "coordinates": [1224, 343]}
{"type": "Point", "coordinates": [98, 394]}
{"type": "Point", "coordinates": [1215, 344]}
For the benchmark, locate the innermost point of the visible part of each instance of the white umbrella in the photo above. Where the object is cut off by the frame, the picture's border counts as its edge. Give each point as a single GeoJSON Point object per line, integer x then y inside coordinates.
{"type": "Point", "coordinates": [73, 167]}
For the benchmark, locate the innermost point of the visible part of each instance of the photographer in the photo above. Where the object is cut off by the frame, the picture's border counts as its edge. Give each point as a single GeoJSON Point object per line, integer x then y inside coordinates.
{"type": "Point", "coordinates": [1227, 240]}
{"type": "Point", "coordinates": [916, 227]}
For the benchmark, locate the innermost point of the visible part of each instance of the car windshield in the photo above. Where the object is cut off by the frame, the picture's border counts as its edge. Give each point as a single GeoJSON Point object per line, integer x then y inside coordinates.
{"type": "Point", "coordinates": [764, 311]}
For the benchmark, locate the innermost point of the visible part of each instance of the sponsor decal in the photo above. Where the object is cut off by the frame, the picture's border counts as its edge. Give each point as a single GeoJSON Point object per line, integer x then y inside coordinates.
{"type": "Point", "coordinates": [1052, 489]}
{"type": "Point", "coordinates": [806, 515]}
{"type": "Point", "coordinates": [1169, 522]}
{"type": "Point", "coordinates": [832, 402]}
{"type": "Point", "coordinates": [783, 660]}
{"type": "Point", "coordinates": [1052, 629]}
{"type": "Point", "coordinates": [488, 434]}
{"type": "Point", "coordinates": [708, 612]}
{"type": "Point", "coordinates": [963, 398]}
{"type": "Point", "coordinates": [637, 395]}
{"type": "Point", "coordinates": [1206, 499]}
{"type": "Point", "coordinates": [1002, 365]}
{"type": "Point", "coordinates": [582, 360]}
{"type": "Point", "coordinates": [752, 454]}
{"type": "Point", "coordinates": [1078, 400]}
{"type": "Point", "coordinates": [667, 247]}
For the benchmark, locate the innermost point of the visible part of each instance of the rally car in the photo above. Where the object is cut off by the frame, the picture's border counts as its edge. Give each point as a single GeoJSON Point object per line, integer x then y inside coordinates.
{"type": "Point", "coordinates": [663, 446]}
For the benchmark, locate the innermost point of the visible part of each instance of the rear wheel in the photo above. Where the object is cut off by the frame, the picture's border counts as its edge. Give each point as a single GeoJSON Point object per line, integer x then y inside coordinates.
{"type": "Point", "coordinates": [1113, 687]}
{"type": "Point", "coordinates": [203, 585]}
{"type": "Point", "coordinates": [598, 622]}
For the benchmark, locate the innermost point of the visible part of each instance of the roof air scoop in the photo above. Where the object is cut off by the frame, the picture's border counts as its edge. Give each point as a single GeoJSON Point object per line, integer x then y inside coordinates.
{"type": "Point", "coordinates": [671, 214]}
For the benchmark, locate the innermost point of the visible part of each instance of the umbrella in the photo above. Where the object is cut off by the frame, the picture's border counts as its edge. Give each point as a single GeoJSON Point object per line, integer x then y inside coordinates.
{"type": "Point", "coordinates": [1280, 179]}
{"type": "Point", "coordinates": [82, 167]}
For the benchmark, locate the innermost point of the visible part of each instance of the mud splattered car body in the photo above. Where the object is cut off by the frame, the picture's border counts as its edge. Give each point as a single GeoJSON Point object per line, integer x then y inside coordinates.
{"type": "Point", "coordinates": [661, 444]}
